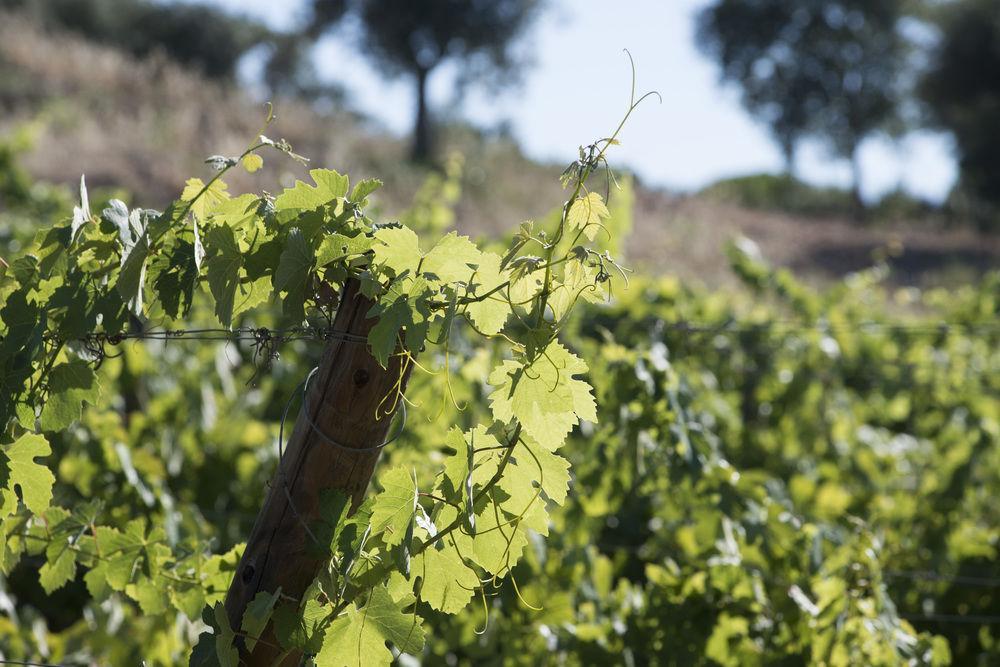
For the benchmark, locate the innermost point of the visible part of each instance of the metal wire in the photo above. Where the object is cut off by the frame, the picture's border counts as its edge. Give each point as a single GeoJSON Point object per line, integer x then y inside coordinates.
{"type": "Point", "coordinates": [959, 579]}
{"type": "Point", "coordinates": [303, 387]}
{"type": "Point", "coordinates": [29, 663]}
{"type": "Point", "coordinates": [790, 327]}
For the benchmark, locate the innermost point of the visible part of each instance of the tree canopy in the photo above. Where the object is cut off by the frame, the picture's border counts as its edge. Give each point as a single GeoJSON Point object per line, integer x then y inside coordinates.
{"type": "Point", "coordinates": [962, 89]}
{"type": "Point", "coordinates": [412, 37]}
{"type": "Point", "coordinates": [811, 69]}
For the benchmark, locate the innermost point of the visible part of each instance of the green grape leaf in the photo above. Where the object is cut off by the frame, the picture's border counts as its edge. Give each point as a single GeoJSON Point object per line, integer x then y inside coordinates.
{"type": "Point", "coordinates": [293, 270]}
{"type": "Point", "coordinates": [224, 271]}
{"type": "Point", "coordinates": [152, 595]}
{"type": "Point", "coordinates": [553, 477]}
{"type": "Point", "coordinates": [458, 483]}
{"type": "Point", "coordinates": [586, 214]}
{"type": "Point", "coordinates": [81, 213]}
{"type": "Point", "coordinates": [358, 638]}
{"type": "Point", "coordinates": [256, 616]}
{"type": "Point", "coordinates": [363, 188]}
{"type": "Point", "coordinates": [295, 262]}
{"type": "Point", "coordinates": [59, 567]}
{"type": "Point", "coordinates": [330, 185]}
{"type": "Point", "coordinates": [176, 281]}
{"type": "Point", "coordinates": [398, 249]}
{"type": "Point", "coordinates": [579, 282]}
{"type": "Point", "coordinates": [214, 195]}
{"type": "Point", "coordinates": [491, 313]}
{"type": "Point", "coordinates": [454, 258]}
{"type": "Point", "coordinates": [224, 636]}
{"type": "Point", "coordinates": [447, 582]}
{"type": "Point", "coordinates": [132, 276]}
{"type": "Point", "coordinates": [334, 507]}
{"type": "Point", "coordinates": [544, 397]}
{"type": "Point", "coordinates": [239, 212]}
{"type": "Point", "coordinates": [70, 384]}
{"type": "Point", "coordinates": [250, 295]}
{"type": "Point", "coordinates": [395, 311]}
{"type": "Point", "coordinates": [303, 628]}
{"type": "Point", "coordinates": [190, 599]}
{"type": "Point", "coordinates": [118, 552]}
{"type": "Point", "coordinates": [499, 539]}
{"type": "Point", "coordinates": [34, 479]}
{"type": "Point", "coordinates": [394, 509]}
{"type": "Point", "coordinates": [116, 214]}
{"type": "Point", "coordinates": [337, 246]}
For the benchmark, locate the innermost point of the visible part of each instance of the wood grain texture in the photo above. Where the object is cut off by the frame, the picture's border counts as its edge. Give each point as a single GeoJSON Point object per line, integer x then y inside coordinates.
{"type": "Point", "coordinates": [343, 398]}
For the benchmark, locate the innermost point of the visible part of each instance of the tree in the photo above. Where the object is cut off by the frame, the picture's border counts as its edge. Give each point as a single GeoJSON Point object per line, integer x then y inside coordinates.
{"type": "Point", "coordinates": [195, 35]}
{"type": "Point", "coordinates": [413, 37]}
{"type": "Point", "coordinates": [811, 68]}
{"type": "Point", "coordinates": [962, 89]}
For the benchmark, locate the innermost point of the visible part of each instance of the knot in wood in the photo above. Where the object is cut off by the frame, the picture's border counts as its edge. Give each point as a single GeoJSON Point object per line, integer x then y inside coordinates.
{"type": "Point", "coordinates": [361, 377]}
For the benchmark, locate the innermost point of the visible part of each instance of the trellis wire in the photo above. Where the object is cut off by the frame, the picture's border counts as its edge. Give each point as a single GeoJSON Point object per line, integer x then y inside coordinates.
{"type": "Point", "coordinates": [257, 334]}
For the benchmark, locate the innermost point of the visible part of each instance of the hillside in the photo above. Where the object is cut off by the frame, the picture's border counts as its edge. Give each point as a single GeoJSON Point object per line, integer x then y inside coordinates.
{"type": "Point", "coordinates": [146, 126]}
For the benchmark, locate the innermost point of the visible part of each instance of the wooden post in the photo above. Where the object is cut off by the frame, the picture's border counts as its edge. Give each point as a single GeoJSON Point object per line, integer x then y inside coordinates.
{"type": "Point", "coordinates": [343, 398]}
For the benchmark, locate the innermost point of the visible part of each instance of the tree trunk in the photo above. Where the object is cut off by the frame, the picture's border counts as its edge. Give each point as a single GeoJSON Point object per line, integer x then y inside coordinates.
{"type": "Point", "coordinates": [860, 209]}
{"type": "Point", "coordinates": [788, 156]}
{"type": "Point", "coordinates": [422, 139]}
{"type": "Point", "coordinates": [343, 399]}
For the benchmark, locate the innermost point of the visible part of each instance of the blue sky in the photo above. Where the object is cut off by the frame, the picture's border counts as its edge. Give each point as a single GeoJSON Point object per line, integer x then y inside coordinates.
{"type": "Point", "coordinates": [578, 89]}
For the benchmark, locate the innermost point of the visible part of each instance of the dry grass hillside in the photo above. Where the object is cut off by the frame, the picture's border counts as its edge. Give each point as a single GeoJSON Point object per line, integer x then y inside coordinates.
{"type": "Point", "coordinates": [146, 126]}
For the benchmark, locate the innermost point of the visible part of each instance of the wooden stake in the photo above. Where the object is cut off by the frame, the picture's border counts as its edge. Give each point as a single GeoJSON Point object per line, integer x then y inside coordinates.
{"type": "Point", "coordinates": [343, 398]}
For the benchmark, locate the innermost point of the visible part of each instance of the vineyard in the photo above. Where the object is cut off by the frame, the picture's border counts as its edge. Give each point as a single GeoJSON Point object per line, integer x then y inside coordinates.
{"type": "Point", "coordinates": [577, 464]}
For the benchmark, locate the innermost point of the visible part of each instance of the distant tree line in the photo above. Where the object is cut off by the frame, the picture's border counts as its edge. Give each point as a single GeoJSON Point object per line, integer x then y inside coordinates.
{"type": "Point", "coordinates": [839, 71]}
{"type": "Point", "coordinates": [196, 35]}
{"type": "Point", "coordinates": [410, 38]}
{"type": "Point", "coordinates": [842, 70]}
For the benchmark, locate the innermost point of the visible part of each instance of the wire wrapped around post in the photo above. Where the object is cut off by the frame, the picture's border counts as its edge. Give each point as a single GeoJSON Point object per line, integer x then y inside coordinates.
{"type": "Point", "coordinates": [334, 446]}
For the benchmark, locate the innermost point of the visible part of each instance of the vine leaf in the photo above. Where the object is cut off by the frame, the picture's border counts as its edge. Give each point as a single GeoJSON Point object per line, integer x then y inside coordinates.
{"type": "Point", "coordinates": [499, 540]}
{"type": "Point", "coordinates": [447, 582]}
{"type": "Point", "coordinates": [59, 567]}
{"type": "Point", "coordinates": [133, 270]}
{"type": "Point", "coordinates": [256, 616]}
{"type": "Point", "coordinates": [35, 479]}
{"type": "Point", "coordinates": [224, 271]}
{"type": "Point", "coordinates": [330, 185]}
{"type": "Point", "coordinates": [216, 194]}
{"type": "Point", "coordinates": [396, 311]}
{"type": "Point", "coordinates": [544, 396]}
{"type": "Point", "coordinates": [586, 213]}
{"type": "Point", "coordinates": [301, 627]}
{"type": "Point", "coordinates": [579, 281]}
{"type": "Point", "coordinates": [395, 508]}
{"type": "Point", "coordinates": [454, 258]}
{"type": "Point", "coordinates": [363, 188]}
{"type": "Point", "coordinates": [490, 314]}
{"type": "Point", "coordinates": [462, 473]}
{"type": "Point", "coordinates": [70, 384]}
{"type": "Point", "coordinates": [358, 638]}
{"type": "Point", "coordinates": [553, 478]}
{"type": "Point", "coordinates": [292, 273]}
{"type": "Point", "coordinates": [399, 250]}
{"type": "Point", "coordinates": [81, 213]}
{"type": "Point", "coordinates": [224, 636]}
{"type": "Point", "coordinates": [337, 246]}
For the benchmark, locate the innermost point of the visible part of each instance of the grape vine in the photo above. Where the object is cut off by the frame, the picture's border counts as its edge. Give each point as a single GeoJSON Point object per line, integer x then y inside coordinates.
{"type": "Point", "coordinates": [100, 280]}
